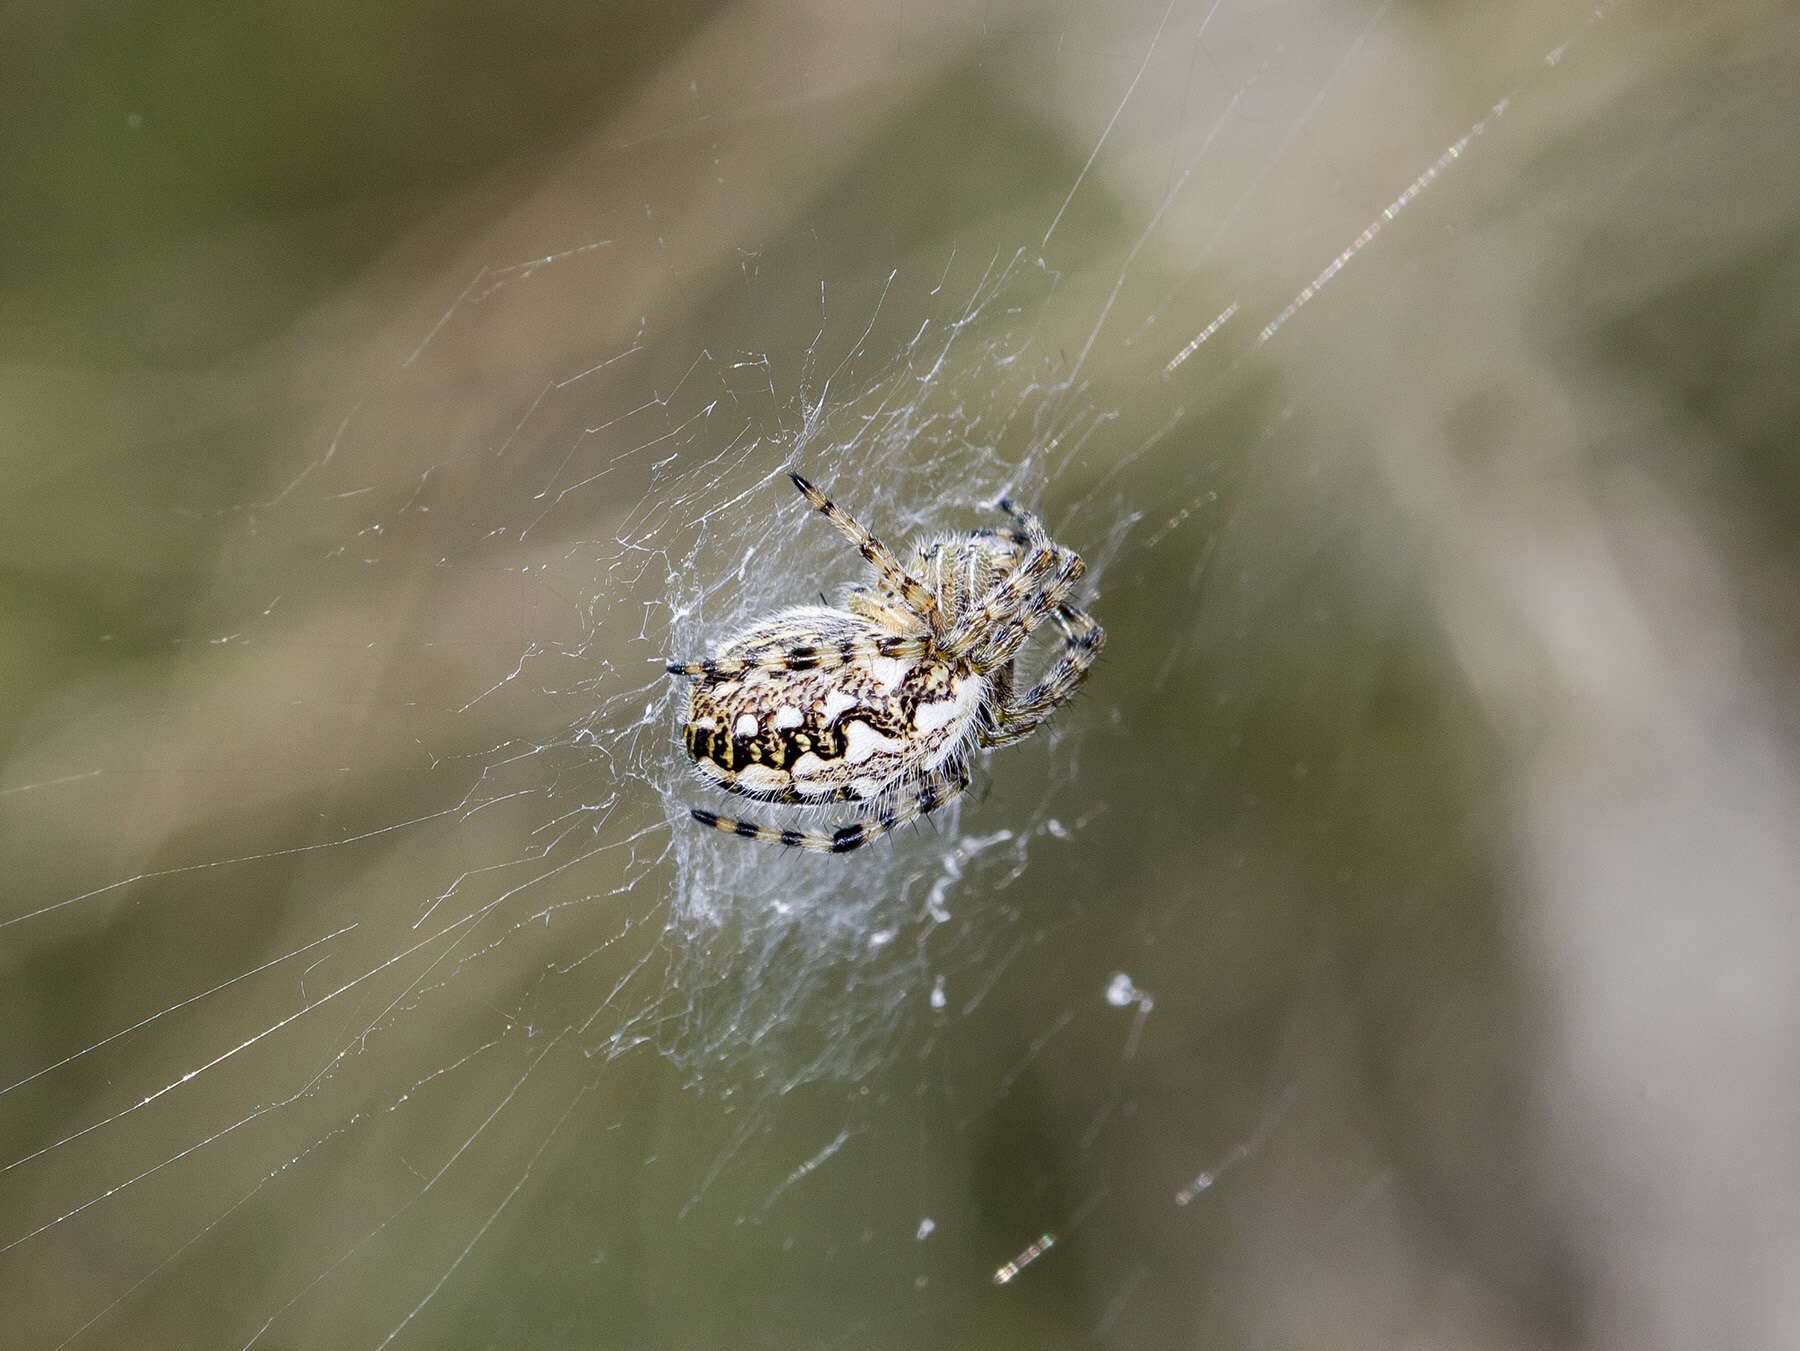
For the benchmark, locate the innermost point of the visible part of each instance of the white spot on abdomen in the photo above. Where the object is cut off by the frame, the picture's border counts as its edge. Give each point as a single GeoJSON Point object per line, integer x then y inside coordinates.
{"type": "Point", "coordinates": [706, 724]}
{"type": "Point", "coordinates": [888, 672]}
{"type": "Point", "coordinates": [965, 698]}
{"type": "Point", "coordinates": [861, 741]}
{"type": "Point", "coordinates": [746, 725]}
{"type": "Point", "coordinates": [930, 717]}
{"type": "Point", "coordinates": [836, 702]}
{"type": "Point", "coordinates": [786, 717]}
{"type": "Point", "coordinates": [813, 776]}
{"type": "Point", "coordinates": [761, 778]}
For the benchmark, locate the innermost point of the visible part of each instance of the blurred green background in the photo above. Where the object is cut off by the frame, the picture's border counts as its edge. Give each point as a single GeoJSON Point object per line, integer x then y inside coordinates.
{"type": "Point", "coordinates": [1439, 785]}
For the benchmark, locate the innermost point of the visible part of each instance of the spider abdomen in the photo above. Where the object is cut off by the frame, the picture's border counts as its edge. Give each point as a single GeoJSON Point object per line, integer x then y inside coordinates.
{"type": "Point", "coordinates": [851, 731]}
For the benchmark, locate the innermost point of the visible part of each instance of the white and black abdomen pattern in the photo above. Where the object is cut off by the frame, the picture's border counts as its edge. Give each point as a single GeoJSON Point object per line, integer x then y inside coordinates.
{"type": "Point", "coordinates": [853, 731]}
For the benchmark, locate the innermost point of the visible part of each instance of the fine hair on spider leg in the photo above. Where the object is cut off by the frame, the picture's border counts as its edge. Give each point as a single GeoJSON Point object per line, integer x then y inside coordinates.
{"type": "Point", "coordinates": [881, 702]}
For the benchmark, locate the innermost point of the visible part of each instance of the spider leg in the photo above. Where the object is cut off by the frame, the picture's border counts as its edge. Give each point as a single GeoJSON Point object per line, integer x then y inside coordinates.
{"type": "Point", "coordinates": [1016, 605]}
{"type": "Point", "coordinates": [992, 634]}
{"type": "Point", "coordinates": [1019, 715]}
{"type": "Point", "coordinates": [804, 657]}
{"type": "Point", "coordinates": [1014, 536]}
{"type": "Point", "coordinates": [938, 789]}
{"type": "Point", "coordinates": [1003, 644]}
{"type": "Point", "coordinates": [1029, 522]}
{"type": "Point", "coordinates": [882, 611]}
{"type": "Point", "coordinates": [1033, 558]}
{"type": "Point", "coordinates": [874, 552]}
{"type": "Point", "coordinates": [1006, 599]}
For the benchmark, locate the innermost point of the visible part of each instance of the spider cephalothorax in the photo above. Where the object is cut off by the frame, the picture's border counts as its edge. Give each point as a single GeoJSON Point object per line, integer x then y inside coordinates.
{"type": "Point", "coordinates": [881, 702]}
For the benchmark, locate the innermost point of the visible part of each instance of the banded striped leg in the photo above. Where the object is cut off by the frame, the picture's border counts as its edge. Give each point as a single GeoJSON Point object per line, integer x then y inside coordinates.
{"type": "Point", "coordinates": [1009, 549]}
{"type": "Point", "coordinates": [939, 789]}
{"type": "Point", "coordinates": [908, 587]}
{"type": "Point", "coordinates": [804, 657]}
{"type": "Point", "coordinates": [1033, 557]}
{"type": "Point", "coordinates": [1017, 537]}
{"type": "Point", "coordinates": [1021, 715]}
{"type": "Point", "coordinates": [1030, 523]}
{"type": "Point", "coordinates": [1009, 632]}
{"type": "Point", "coordinates": [1003, 603]}
{"type": "Point", "coordinates": [1004, 619]}
{"type": "Point", "coordinates": [962, 584]}
{"type": "Point", "coordinates": [884, 612]}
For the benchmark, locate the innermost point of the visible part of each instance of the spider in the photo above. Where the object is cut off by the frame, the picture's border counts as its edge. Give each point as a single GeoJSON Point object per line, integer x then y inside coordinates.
{"type": "Point", "coordinates": [881, 702]}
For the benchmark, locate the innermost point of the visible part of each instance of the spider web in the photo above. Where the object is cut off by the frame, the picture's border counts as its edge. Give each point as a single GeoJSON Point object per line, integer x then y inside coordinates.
{"type": "Point", "coordinates": [446, 1026]}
